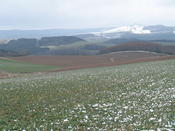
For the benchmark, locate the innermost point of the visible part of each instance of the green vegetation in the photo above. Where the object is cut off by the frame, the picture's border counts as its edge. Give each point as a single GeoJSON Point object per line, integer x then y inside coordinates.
{"type": "Point", "coordinates": [60, 40]}
{"type": "Point", "coordinates": [22, 67]}
{"type": "Point", "coordinates": [77, 45]}
{"type": "Point", "coordinates": [141, 46]}
{"type": "Point", "coordinates": [77, 48]}
{"type": "Point", "coordinates": [129, 97]}
{"type": "Point", "coordinates": [62, 45]}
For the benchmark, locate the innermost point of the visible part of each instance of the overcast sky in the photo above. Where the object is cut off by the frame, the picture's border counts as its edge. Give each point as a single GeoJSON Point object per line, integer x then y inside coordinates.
{"type": "Point", "coordinates": [31, 14]}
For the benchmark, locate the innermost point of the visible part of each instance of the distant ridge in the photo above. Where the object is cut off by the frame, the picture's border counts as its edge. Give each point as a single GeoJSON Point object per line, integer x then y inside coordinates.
{"type": "Point", "coordinates": [5, 53]}
{"type": "Point", "coordinates": [60, 40]}
{"type": "Point", "coordinates": [140, 46]}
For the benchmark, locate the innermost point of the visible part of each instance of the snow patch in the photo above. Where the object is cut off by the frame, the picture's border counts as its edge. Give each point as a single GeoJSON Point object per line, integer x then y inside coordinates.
{"type": "Point", "coordinates": [133, 29]}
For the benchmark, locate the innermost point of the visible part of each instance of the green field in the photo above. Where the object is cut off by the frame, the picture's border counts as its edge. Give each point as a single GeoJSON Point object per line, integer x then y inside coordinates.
{"type": "Point", "coordinates": [128, 97]}
{"type": "Point", "coordinates": [22, 67]}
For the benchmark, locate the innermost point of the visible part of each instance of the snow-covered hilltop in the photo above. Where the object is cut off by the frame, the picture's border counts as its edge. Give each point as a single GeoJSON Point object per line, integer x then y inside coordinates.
{"type": "Point", "coordinates": [136, 29]}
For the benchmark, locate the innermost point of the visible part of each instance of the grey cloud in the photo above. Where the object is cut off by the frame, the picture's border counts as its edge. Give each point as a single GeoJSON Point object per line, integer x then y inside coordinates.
{"type": "Point", "coordinates": [84, 13]}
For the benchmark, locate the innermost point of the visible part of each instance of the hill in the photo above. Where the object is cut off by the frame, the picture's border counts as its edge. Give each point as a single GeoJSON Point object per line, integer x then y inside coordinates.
{"type": "Point", "coordinates": [61, 40]}
{"type": "Point", "coordinates": [120, 41]}
{"type": "Point", "coordinates": [140, 46]}
{"type": "Point", "coordinates": [6, 53]}
{"type": "Point", "coordinates": [44, 45]}
{"type": "Point", "coordinates": [73, 45]}
{"type": "Point", "coordinates": [145, 33]}
{"type": "Point", "coordinates": [23, 46]}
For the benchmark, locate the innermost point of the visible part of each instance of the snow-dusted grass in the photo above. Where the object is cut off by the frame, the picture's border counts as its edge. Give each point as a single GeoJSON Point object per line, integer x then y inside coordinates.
{"type": "Point", "coordinates": [128, 97]}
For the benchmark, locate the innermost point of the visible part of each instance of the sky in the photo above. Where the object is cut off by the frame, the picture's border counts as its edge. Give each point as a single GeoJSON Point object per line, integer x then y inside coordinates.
{"type": "Point", "coordinates": [42, 14]}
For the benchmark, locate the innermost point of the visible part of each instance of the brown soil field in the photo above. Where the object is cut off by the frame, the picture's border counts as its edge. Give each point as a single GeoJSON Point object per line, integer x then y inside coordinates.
{"type": "Point", "coordinates": [79, 62]}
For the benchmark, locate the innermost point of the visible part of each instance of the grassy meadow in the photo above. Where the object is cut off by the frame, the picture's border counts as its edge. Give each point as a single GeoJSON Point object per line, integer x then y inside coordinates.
{"type": "Point", "coordinates": [12, 66]}
{"type": "Point", "coordinates": [128, 97]}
